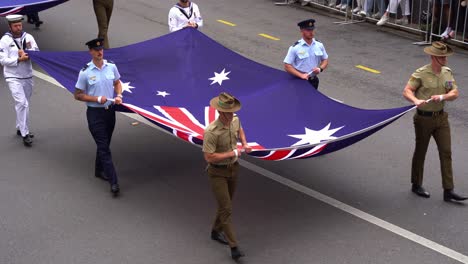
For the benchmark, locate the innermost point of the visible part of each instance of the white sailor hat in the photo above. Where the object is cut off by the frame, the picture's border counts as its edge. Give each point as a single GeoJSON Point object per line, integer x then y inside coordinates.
{"type": "Point", "coordinates": [14, 18]}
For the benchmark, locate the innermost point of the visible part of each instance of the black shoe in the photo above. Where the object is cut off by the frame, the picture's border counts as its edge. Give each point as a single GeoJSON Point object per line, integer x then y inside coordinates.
{"type": "Point", "coordinates": [218, 236]}
{"type": "Point", "coordinates": [38, 23]}
{"type": "Point", "coordinates": [27, 141]}
{"type": "Point", "coordinates": [236, 254]}
{"type": "Point", "coordinates": [101, 175]}
{"type": "Point", "coordinates": [19, 134]}
{"type": "Point", "coordinates": [450, 195]}
{"type": "Point", "coordinates": [115, 189]}
{"type": "Point", "coordinates": [419, 190]}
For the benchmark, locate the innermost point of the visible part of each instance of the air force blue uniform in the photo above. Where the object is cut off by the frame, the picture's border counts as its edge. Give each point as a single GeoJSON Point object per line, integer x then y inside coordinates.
{"type": "Point", "coordinates": [101, 117]}
{"type": "Point", "coordinates": [304, 57]}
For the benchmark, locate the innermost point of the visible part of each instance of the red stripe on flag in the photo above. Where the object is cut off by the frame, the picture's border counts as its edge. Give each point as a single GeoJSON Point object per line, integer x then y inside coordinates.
{"type": "Point", "coordinates": [211, 115]}
{"type": "Point", "coordinates": [315, 152]}
{"type": "Point", "coordinates": [183, 136]}
{"type": "Point", "coordinates": [158, 120]}
{"type": "Point", "coordinates": [279, 154]}
{"type": "Point", "coordinates": [181, 117]}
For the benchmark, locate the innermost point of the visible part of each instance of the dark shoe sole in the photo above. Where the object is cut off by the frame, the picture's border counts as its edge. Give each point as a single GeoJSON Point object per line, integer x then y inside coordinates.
{"type": "Point", "coordinates": [19, 134]}
{"type": "Point", "coordinates": [220, 241]}
{"type": "Point", "coordinates": [422, 194]}
{"type": "Point", "coordinates": [451, 200]}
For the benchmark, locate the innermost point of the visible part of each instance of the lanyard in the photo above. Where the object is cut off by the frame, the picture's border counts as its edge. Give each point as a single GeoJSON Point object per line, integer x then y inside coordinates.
{"type": "Point", "coordinates": [188, 16]}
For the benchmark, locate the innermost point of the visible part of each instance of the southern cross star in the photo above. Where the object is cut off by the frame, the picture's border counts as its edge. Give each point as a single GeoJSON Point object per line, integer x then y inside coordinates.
{"type": "Point", "coordinates": [315, 137]}
{"type": "Point", "coordinates": [219, 77]}
{"type": "Point", "coordinates": [163, 93]}
{"type": "Point", "coordinates": [126, 87]}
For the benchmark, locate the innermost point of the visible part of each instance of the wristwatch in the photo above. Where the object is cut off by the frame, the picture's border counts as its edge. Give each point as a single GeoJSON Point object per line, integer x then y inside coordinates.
{"type": "Point", "coordinates": [120, 95]}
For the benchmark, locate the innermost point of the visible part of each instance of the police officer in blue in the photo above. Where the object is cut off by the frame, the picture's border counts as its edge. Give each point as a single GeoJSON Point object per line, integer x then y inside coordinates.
{"type": "Point", "coordinates": [307, 58]}
{"type": "Point", "coordinates": [97, 83]}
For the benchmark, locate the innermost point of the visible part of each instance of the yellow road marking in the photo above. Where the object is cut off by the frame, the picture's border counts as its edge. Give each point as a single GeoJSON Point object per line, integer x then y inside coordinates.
{"type": "Point", "coordinates": [268, 36]}
{"type": "Point", "coordinates": [367, 69]}
{"type": "Point", "coordinates": [226, 22]}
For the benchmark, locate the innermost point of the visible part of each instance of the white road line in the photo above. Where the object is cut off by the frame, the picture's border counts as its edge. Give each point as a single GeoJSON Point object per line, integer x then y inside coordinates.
{"type": "Point", "coordinates": [321, 197]}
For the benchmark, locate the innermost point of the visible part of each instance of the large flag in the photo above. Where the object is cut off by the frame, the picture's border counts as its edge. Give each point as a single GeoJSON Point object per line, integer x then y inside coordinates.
{"type": "Point", "coordinates": [24, 7]}
{"type": "Point", "coordinates": [171, 79]}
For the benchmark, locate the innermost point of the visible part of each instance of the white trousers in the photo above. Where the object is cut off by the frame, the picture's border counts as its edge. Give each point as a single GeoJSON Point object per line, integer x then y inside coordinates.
{"type": "Point", "coordinates": [21, 90]}
{"type": "Point", "coordinates": [393, 7]}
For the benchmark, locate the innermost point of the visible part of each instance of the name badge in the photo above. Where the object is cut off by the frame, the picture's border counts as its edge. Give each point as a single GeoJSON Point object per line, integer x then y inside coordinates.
{"type": "Point", "coordinates": [92, 78]}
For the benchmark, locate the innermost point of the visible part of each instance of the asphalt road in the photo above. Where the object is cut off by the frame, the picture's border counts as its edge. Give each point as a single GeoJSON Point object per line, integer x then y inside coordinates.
{"type": "Point", "coordinates": [53, 210]}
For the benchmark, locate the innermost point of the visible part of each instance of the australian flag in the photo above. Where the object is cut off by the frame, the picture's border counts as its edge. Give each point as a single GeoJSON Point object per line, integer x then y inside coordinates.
{"type": "Point", "coordinates": [171, 79]}
{"type": "Point", "coordinates": [24, 7]}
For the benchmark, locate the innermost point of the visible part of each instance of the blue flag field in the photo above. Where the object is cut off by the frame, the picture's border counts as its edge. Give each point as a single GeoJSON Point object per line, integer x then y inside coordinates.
{"type": "Point", "coordinates": [170, 80]}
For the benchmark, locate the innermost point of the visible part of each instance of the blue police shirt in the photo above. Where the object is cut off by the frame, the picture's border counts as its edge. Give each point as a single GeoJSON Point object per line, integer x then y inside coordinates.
{"type": "Point", "coordinates": [304, 57]}
{"type": "Point", "coordinates": [98, 82]}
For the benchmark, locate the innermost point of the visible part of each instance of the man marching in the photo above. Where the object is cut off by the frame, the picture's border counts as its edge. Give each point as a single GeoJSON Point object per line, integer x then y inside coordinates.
{"type": "Point", "coordinates": [96, 85]}
{"type": "Point", "coordinates": [17, 70]}
{"type": "Point", "coordinates": [435, 82]}
{"type": "Point", "coordinates": [307, 58]}
{"type": "Point", "coordinates": [221, 152]}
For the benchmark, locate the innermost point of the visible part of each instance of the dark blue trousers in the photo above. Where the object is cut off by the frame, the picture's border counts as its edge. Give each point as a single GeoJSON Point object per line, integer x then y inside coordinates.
{"type": "Point", "coordinates": [315, 82]}
{"type": "Point", "coordinates": [101, 123]}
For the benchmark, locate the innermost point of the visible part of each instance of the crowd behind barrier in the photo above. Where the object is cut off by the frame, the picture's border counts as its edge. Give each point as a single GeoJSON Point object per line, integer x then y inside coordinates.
{"type": "Point", "coordinates": [445, 20]}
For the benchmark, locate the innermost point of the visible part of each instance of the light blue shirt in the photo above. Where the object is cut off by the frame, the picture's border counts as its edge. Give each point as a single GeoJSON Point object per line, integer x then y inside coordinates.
{"type": "Point", "coordinates": [304, 57]}
{"type": "Point", "coordinates": [98, 82]}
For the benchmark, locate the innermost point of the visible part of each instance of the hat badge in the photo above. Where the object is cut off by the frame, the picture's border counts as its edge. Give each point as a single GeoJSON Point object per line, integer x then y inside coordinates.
{"type": "Point", "coordinates": [310, 24]}
{"type": "Point", "coordinates": [98, 43]}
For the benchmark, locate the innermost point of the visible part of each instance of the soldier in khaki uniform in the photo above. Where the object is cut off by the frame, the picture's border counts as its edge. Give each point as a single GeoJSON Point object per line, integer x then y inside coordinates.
{"type": "Point", "coordinates": [221, 153]}
{"type": "Point", "coordinates": [433, 82]}
{"type": "Point", "coordinates": [103, 11]}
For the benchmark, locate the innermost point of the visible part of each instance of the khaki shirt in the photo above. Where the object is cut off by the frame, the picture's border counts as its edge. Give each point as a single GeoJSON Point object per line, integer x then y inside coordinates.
{"type": "Point", "coordinates": [218, 138]}
{"type": "Point", "coordinates": [427, 83]}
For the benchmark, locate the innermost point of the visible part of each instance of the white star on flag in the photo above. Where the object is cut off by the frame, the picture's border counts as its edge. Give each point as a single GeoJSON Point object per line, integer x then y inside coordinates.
{"type": "Point", "coordinates": [126, 87]}
{"type": "Point", "coordinates": [315, 137]}
{"type": "Point", "coordinates": [219, 77]}
{"type": "Point", "coordinates": [163, 93]}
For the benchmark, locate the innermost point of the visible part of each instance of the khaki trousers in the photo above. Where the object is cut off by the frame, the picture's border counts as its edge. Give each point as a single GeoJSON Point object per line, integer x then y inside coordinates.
{"type": "Point", "coordinates": [103, 11]}
{"type": "Point", "coordinates": [223, 183]}
{"type": "Point", "coordinates": [439, 128]}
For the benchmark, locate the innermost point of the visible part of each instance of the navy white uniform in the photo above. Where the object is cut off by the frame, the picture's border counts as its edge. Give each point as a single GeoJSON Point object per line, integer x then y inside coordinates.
{"type": "Point", "coordinates": [18, 75]}
{"type": "Point", "coordinates": [179, 16]}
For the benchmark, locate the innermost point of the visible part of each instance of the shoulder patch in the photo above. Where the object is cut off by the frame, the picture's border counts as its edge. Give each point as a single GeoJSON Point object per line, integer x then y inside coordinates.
{"type": "Point", "coordinates": [85, 67]}
{"type": "Point", "coordinates": [297, 42]}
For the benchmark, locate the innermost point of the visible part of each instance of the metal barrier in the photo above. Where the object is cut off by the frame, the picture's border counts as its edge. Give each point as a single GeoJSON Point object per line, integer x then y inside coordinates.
{"type": "Point", "coordinates": [432, 19]}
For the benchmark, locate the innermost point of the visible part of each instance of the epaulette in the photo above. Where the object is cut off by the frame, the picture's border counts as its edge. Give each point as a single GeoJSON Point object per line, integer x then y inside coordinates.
{"type": "Point", "coordinates": [297, 42]}
{"type": "Point", "coordinates": [109, 61]}
{"type": "Point", "coordinates": [85, 67]}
